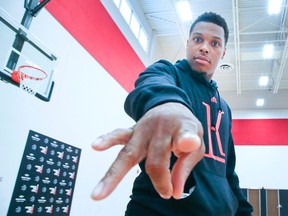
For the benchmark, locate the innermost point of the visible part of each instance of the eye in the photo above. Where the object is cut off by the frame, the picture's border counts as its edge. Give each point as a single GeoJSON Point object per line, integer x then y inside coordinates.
{"type": "Point", "coordinates": [216, 44]}
{"type": "Point", "coordinates": [198, 39]}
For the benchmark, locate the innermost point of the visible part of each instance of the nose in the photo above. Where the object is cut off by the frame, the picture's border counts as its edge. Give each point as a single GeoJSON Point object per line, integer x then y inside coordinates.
{"type": "Point", "coordinates": [204, 48]}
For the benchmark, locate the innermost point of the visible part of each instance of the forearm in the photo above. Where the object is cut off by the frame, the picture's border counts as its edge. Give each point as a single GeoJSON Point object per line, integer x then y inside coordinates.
{"type": "Point", "coordinates": [142, 100]}
{"type": "Point", "coordinates": [156, 85]}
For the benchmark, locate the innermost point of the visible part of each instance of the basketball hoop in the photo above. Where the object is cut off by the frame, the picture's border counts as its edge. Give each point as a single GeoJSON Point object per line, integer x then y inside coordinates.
{"type": "Point", "coordinates": [28, 77]}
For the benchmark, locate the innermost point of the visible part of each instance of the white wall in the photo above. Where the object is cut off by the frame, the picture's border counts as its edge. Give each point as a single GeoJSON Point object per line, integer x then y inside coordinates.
{"type": "Point", "coordinates": [86, 103]}
{"type": "Point", "coordinates": [262, 166]}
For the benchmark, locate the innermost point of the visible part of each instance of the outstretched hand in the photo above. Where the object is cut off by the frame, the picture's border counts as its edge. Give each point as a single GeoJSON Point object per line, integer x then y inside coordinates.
{"type": "Point", "coordinates": [167, 128]}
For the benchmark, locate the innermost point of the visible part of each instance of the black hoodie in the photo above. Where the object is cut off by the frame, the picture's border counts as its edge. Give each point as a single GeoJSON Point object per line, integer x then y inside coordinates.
{"type": "Point", "coordinates": [215, 184]}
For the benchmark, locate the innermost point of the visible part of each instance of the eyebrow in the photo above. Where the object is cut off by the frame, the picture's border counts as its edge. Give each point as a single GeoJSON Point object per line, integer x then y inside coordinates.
{"type": "Point", "coordinates": [198, 33]}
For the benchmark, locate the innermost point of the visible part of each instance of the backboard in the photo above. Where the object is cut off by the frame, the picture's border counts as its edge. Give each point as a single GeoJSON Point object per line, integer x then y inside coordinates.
{"type": "Point", "coordinates": [19, 47]}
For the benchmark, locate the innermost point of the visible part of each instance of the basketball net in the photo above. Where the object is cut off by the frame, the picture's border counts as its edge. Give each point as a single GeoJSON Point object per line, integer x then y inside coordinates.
{"type": "Point", "coordinates": [29, 78]}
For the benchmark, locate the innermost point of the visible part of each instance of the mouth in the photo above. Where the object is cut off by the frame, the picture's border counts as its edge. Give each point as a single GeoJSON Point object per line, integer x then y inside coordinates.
{"type": "Point", "coordinates": [202, 59]}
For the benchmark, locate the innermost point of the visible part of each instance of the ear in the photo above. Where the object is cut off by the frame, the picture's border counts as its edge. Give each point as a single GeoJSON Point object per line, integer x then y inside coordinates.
{"type": "Point", "coordinates": [224, 52]}
{"type": "Point", "coordinates": [187, 42]}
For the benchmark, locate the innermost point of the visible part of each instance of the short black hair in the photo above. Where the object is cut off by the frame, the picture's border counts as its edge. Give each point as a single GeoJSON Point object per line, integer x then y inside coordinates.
{"type": "Point", "coordinates": [212, 17]}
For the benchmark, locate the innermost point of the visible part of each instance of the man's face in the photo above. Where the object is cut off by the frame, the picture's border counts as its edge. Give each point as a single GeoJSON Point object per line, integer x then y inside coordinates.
{"type": "Point", "coordinates": [205, 48]}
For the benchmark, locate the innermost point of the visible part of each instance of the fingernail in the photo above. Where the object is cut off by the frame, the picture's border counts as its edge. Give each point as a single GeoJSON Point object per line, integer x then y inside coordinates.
{"type": "Point", "coordinates": [97, 190]}
{"type": "Point", "coordinates": [165, 196]}
{"type": "Point", "coordinates": [97, 142]}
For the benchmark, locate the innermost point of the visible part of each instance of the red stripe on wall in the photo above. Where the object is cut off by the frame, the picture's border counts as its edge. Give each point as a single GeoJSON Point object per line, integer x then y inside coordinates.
{"type": "Point", "coordinates": [260, 131]}
{"type": "Point", "coordinates": [91, 25]}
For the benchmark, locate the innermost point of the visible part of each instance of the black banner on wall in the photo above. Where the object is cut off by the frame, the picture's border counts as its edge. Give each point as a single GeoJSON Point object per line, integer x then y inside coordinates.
{"type": "Point", "coordinates": [46, 177]}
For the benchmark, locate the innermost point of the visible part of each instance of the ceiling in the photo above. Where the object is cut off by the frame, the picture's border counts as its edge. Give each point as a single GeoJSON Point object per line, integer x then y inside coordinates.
{"type": "Point", "coordinates": [250, 27]}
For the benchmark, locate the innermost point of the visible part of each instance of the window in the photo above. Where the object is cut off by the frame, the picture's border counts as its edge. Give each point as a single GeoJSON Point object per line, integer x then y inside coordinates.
{"type": "Point", "coordinates": [133, 22]}
{"type": "Point", "coordinates": [143, 39]}
{"type": "Point", "coordinates": [135, 25]}
{"type": "Point", "coordinates": [125, 10]}
{"type": "Point", "coordinates": [117, 3]}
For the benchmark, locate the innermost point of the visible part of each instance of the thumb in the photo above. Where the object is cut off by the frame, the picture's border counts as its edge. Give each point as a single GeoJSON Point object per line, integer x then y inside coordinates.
{"type": "Point", "coordinates": [182, 169]}
{"type": "Point", "coordinates": [189, 149]}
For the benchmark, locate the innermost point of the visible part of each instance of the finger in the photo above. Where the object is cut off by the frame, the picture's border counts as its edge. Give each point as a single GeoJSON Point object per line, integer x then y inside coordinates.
{"type": "Point", "coordinates": [116, 137]}
{"type": "Point", "coordinates": [157, 166]}
{"type": "Point", "coordinates": [186, 142]}
{"type": "Point", "coordinates": [182, 169]}
{"type": "Point", "coordinates": [129, 156]}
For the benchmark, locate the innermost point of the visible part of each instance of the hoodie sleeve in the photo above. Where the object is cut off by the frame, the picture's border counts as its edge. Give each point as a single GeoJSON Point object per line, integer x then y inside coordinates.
{"type": "Point", "coordinates": [155, 86]}
{"type": "Point", "coordinates": [244, 207]}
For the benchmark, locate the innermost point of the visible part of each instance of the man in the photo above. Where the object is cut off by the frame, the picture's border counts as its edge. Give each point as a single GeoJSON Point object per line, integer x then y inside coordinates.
{"type": "Point", "coordinates": [182, 139]}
